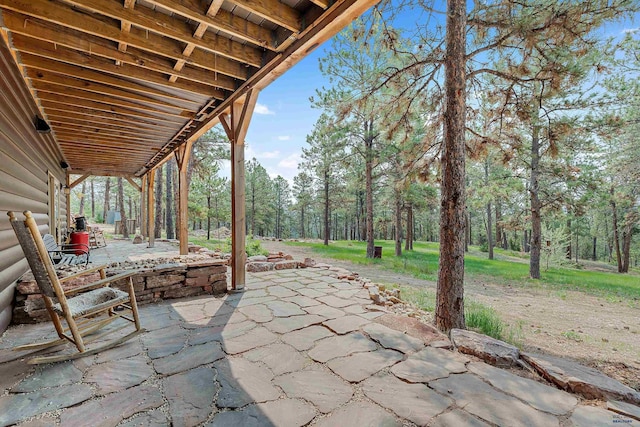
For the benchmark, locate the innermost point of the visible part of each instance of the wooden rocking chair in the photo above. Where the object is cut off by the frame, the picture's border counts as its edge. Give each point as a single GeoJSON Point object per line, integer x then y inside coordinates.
{"type": "Point", "coordinates": [84, 309]}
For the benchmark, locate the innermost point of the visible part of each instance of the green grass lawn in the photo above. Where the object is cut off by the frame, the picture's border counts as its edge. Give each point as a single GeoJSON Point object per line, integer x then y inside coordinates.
{"type": "Point", "coordinates": [422, 263]}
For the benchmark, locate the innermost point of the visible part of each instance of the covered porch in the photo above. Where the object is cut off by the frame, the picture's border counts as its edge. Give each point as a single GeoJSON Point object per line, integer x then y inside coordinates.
{"type": "Point", "coordinates": [117, 88]}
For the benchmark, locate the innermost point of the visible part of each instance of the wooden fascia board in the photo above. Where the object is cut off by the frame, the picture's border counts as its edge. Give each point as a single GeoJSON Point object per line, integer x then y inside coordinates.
{"type": "Point", "coordinates": [132, 128]}
{"type": "Point", "coordinates": [273, 11]}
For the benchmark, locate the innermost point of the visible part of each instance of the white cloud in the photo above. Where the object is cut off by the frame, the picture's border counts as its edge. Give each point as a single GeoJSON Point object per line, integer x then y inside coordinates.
{"type": "Point", "coordinates": [290, 162]}
{"type": "Point", "coordinates": [269, 155]}
{"type": "Point", "coordinates": [284, 138]}
{"type": "Point", "coordinates": [630, 30]}
{"type": "Point", "coordinates": [262, 109]}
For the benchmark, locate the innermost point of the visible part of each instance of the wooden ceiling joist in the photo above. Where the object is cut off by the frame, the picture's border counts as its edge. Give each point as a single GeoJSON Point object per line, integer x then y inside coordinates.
{"type": "Point", "coordinates": [123, 83]}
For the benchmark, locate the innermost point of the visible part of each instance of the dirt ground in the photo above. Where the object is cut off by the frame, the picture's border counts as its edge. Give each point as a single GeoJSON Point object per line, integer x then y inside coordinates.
{"type": "Point", "coordinates": [596, 331]}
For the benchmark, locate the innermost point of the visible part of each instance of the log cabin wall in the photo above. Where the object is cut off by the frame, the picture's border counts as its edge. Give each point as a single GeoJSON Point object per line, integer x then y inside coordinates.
{"type": "Point", "coordinates": [27, 159]}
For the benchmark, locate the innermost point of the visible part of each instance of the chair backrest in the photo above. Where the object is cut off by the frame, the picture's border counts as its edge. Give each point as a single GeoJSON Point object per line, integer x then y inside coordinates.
{"type": "Point", "coordinates": [35, 251]}
{"type": "Point", "coordinates": [50, 242]}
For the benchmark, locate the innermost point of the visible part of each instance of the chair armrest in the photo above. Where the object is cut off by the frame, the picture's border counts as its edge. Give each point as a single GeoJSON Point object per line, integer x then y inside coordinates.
{"type": "Point", "coordinates": [101, 283]}
{"type": "Point", "coordinates": [83, 272]}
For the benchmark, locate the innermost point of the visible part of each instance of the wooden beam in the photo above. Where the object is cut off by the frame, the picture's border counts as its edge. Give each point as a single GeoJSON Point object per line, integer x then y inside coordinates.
{"type": "Point", "coordinates": [134, 184]}
{"type": "Point", "coordinates": [182, 154]}
{"type": "Point", "coordinates": [98, 40]}
{"type": "Point", "coordinates": [79, 180]}
{"type": "Point", "coordinates": [236, 126]}
{"type": "Point", "coordinates": [73, 57]}
{"type": "Point", "coordinates": [273, 11]}
{"type": "Point", "coordinates": [88, 124]}
{"type": "Point", "coordinates": [166, 26]}
{"type": "Point", "coordinates": [219, 19]}
{"type": "Point", "coordinates": [103, 89]}
{"type": "Point", "coordinates": [160, 24]}
{"type": "Point", "coordinates": [125, 26]}
{"type": "Point", "coordinates": [44, 64]}
{"type": "Point", "coordinates": [151, 202]}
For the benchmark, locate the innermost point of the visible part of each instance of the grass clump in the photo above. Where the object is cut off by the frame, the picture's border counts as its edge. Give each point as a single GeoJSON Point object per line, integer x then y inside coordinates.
{"type": "Point", "coordinates": [252, 246]}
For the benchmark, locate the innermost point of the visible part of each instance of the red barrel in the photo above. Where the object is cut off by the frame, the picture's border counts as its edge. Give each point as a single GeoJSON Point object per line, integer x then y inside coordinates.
{"type": "Point", "coordinates": [80, 237]}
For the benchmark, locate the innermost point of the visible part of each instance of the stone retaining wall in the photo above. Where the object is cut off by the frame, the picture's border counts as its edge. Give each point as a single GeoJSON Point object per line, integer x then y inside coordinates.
{"type": "Point", "coordinates": [164, 281]}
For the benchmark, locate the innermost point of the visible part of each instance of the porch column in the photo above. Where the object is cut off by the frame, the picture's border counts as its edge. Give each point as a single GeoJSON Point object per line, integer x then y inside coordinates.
{"type": "Point", "coordinates": [67, 193]}
{"type": "Point", "coordinates": [235, 126]}
{"type": "Point", "coordinates": [151, 205]}
{"type": "Point", "coordinates": [143, 206]}
{"type": "Point", "coordinates": [182, 154]}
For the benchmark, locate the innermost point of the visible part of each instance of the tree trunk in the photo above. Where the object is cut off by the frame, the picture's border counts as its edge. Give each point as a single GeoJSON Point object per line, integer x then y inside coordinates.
{"type": "Point", "coordinates": [594, 255]}
{"type": "Point", "coordinates": [368, 171]}
{"type": "Point", "coordinates": [82, 198]}
{"type": "Point", "coordinates": [498, 209]}
{"type": "Point", "coordinates": [627, 233]}
{"type": "Point", "coordinates": [93, 200]}
{"type": "Point", "coordinates": [326, 208]}
{"type": "Point", "coordinates": [489, 211]}
{"type": "Point", "coordinates": [398, 227]}
{"type": "Point", "coordinates": [408, 245]}
{"type": "Point", "coordinates": [168, 170]}
{"type": "Point", "coordinates": [158, 208]}
{"type": "Point", "coordinates": [616, 237]}
{"type": "Point", "coordinates": [209, 216]}
{"type": "Point", "coordinates": [302, 233]}
{"type": "Point", "coordinates": [105, 209]}
{"type": "Point", "coordinates": [123, 213]}
{"type": "Point", "coordinates": [450, 291]}
{"type": "Point", "coordinates": [569, 247]}
{"type": "Point", "coordinates": [536, 221]}
{"type": "Point", "coordinates": [467, 233]}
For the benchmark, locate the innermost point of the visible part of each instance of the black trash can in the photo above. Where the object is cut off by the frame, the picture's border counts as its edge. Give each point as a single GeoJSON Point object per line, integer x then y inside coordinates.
{"type": "Point", "coordinates": [81, 223]}
{"type": "Point", "coordinates": [377, 251]}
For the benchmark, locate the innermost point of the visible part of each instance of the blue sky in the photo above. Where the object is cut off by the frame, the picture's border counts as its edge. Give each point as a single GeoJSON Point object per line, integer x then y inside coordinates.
{"type": "Point", "coordinates": [283, 116]}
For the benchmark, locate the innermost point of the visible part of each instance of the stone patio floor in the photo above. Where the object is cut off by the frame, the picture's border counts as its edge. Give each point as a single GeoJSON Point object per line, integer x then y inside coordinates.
{"type": "Point", "coordinates": [296, 348]}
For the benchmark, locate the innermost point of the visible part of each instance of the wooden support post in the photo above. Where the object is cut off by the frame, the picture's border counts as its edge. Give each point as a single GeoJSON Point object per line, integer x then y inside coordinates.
{"type": "Point", "coordinates": [67, 194]}
{"type": "Point", "coordinates": [144, 193]}
{"type": "Point", "coordinates": [236, 127]}
{"type": "Point", "coordinates": [79, 180]}
{"type": "Point", "coordinates": [182, 154]}
{"type": "Point", "coordinates": [133, 183]}
{"type": "Point", "coordinates": [151, 206]}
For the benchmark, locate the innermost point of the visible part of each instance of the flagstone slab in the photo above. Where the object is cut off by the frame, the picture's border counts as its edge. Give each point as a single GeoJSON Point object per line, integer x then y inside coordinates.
{"type": "Point", "coordinates": [356, 367]}
{"type": "Point", "coordinates": [43, 421]}
{"type": "Point", "coordinates": [119, 374]}
{"type": "Point", "coordinates": [284, 309]}
{"type": "Point", "coordinates": [355, 309]}
{"type": "Point", "coordinates": [256, 337]}
{"type": "Point", "coordinates": [13, 372]}
{"type": "Point", "coordinates": [306, 338]}
{"type": "Point", "coordinates": [572, 376]}
{"type": "Point", "coordinates": [123, 351]}
{"type": "Point", "coordinates": [346, 324]}
{"type": "Point", "coordinates": [419, 371]}
{"type": "Point", "coordinates": [491, 350]}
{"type": "Point", "coordinates": [114, 408]}
{"type": "Point", "coordinates": [588, 416]}
{"type": "Point", "coordinates": [219, 333]}
{"type": "Point", "coordinates": [280, 358]}
{"type": "Point", "coordinates": [624, 408]}
{"type": "Point", "coordinates": [164, 342]}
{"type": "Point", "coordinates": [325, 390]}
{"type": "Point", "coordinates": [158, 321]}
{"type": "Point", "coordinates": [415, 402]}
{"type": "Point", "coordinates": [282, 325]}
{"type": "Point", "coordinates": [363, 414]}
{"type": "Point", "coordinates": [189, 358]}
{"type": "Point", "coordinates": [233, 316]}
{"type": "Point", "coordinates": [325, 311]}
{"type": "Point", "coordinates": [294, 286]}
{"type": "Point", "coordinates": [458, 418]}
{"type": "Point", "coordinates": [251, 301]}
{"type": "Point", "coordinates": [490, 404]}
{"type": "Point", "coordinates": [16, 407]}
{"type": "Point", "coordinates": [340, 346]}
{"type": "Point", "coordinates": [258, 313]}
{"type": "Point", "coordinates": [409, 326]}
{"type": "Point", "coordinates": [302, 301]}
{"type": "Point", "coordinates": [243, 382]}
{"type": "Point", "coordinates": [311, 293]}
{"type": "Point", "coordinates": [190, 395]}
{"type": "Point", "coordinates": [280, 413]}
{"type": "Point", "coordinates": [280, 291]}
{"type": "Point", "coordinates": [538, 395]}
{"type": "Point", "coordinates": [50, 375]}
{"type": "Point", "coordinates": [335, 302]}
{"type": "Point", "coordinates": [155, 418]}
{"type": "Point", "coordinates": [390, 338]}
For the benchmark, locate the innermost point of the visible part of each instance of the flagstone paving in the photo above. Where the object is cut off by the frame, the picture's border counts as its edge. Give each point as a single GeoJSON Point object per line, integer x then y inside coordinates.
{"type": "Point", "coordinates": [297, 347]}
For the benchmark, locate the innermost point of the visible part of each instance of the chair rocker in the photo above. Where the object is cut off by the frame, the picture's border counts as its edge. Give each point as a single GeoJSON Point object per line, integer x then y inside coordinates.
{"type": "Point", "coordinates": [85, 309]}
